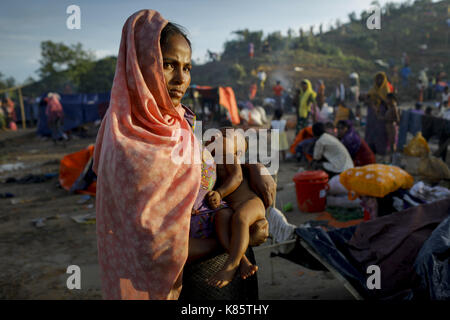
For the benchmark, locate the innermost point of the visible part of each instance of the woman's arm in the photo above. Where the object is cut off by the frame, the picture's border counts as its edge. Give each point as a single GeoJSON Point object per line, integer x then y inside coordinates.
{"type": "Point", "coordinates": [261, 182]}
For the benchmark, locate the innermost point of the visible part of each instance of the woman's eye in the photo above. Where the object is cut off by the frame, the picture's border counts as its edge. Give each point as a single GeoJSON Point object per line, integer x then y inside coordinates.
{"type": "Point", "coordinates": [168, 65]}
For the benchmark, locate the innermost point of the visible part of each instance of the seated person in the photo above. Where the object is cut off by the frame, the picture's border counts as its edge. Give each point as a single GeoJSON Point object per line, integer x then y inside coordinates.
{"type": "Point", "coordinates": [233, 229]}
{"type": "Point", "coordinates": [357, 147]}
{"type": "Point", "coordinates": [305, 149]}
{"type": "Point", "coordinates": [330, 154]}
{"type": "Point", "coordinates": [304, 134]}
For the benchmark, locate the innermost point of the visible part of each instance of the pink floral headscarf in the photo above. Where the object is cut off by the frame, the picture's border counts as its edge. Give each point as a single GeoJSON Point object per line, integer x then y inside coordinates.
{"type": "Point", "coordinates": [144, 199]}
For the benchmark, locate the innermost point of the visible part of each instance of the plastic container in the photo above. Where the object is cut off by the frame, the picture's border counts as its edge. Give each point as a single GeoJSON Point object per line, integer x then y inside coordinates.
{"type": "Point", "coordinates": [311, 188]}
{"type": "Point", "coordinates": [366, 215]}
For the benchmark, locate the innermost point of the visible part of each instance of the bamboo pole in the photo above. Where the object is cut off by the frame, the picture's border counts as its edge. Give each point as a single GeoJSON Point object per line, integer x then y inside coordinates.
{"type": "Point", "coordinates": [22, 110]}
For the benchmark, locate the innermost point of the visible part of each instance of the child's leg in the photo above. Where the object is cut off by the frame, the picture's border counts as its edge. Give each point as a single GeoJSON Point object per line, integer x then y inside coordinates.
{"type": "Point", "coordinates": [222, 224]}
{"type": "Point", "coordinates": [247, 214]}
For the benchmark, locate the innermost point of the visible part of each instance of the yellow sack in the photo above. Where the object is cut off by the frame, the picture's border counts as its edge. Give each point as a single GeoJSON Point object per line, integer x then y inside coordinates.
{"type": "Point", "coordinates": [417, 147]}
{"type": "Point", "coordinates": [433, 169]}
{"type": "Point", "coordinates": [375, 180]}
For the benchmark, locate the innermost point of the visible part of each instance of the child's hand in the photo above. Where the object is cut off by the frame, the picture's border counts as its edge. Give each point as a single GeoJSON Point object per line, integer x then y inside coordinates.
{"type": "Point", "coordinates": [214, 199]}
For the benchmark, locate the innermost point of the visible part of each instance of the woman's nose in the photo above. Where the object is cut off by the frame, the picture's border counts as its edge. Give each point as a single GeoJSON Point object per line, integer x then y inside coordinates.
{"type": "Point", "coordinates": [179, 77]}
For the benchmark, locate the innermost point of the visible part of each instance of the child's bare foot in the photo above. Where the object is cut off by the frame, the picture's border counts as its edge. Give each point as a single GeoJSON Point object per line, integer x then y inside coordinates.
{"type": "Point", "coordinates": [223, 277]}
{"type": "Point", "coordinates": [246, 268]}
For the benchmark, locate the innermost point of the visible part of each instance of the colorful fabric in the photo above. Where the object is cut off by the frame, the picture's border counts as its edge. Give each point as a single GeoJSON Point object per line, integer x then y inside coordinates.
{"type": "Point", "coordinates": [278, 90]}
{"type": "Point", "coordinates": [54, 109]}
{"type": "Point", "coordinates": [351, 141]}
{"type": "Point", "coordinates": [342, 113]}
{"type": "Point", "coordinates": [202, 225]}
{"type": "Point", "coordinates": [364, 156]}
{"type": "Point", "coordinates": [321, 93]}
{"type": "Point", "coordinates": [144, 198]}
{"type": "Point", "coordinates": [305, 96]}
{"type": "Point", "coordinates": [305, 133]}
{"type": "Point", "coordinates": [375, 180]}
{"type": "Point", "coordinates": [378, 94]}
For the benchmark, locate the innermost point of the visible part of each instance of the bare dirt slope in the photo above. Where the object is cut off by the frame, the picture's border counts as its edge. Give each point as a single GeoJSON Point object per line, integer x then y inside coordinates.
{"type": "Point", "coordinates": [34, 260]}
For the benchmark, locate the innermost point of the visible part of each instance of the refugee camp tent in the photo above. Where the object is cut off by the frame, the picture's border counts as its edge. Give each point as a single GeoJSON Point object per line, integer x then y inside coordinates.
{"type": "Point", "coordinates": [220, 101]}
{"type": "Point", "coordinates": [74, 167]}
{"type": "Point", "coordinates": [78, 109]}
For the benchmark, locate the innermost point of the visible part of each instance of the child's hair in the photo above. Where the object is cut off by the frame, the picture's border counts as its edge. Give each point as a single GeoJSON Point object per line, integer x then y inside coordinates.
{"type": "Point", "coordinates": [428, 111]}
{"type": "Point", "coordinates": [278, 114]}
{"type": "Point", "coordinates": [329, 125]}
{"type": "Point", "coordinates": [418, 106]}
{"type": "Point", "coordinates": [318, 129]}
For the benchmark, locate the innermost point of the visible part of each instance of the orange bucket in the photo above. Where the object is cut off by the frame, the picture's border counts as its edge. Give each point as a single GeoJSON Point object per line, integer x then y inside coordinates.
{"type": "Point", "coordinates": [311, 188]}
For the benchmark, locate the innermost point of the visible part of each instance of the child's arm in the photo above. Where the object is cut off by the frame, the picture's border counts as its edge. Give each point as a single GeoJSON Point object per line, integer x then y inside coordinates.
{"type": "Point", "coordinates": [233, 180]}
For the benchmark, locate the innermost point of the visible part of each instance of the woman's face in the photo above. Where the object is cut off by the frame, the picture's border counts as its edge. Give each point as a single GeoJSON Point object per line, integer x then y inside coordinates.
{"type": "Point", "coordinates": [379, 79]}
{"type": "Point", "coordinates": [341, 131]}
{"type": "Point", "coordinates": [304, 86]}
{"type": "Point", "coordinates": [177, 67]}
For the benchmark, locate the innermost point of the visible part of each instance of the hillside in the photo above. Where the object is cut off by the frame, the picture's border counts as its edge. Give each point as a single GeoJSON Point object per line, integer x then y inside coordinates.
{"type": "Point", "coordinates": [333, 55]}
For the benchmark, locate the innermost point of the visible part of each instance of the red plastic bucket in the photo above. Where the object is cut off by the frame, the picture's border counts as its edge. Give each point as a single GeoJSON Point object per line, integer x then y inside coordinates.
{"type": "Point", "coordinates": [311, 188]}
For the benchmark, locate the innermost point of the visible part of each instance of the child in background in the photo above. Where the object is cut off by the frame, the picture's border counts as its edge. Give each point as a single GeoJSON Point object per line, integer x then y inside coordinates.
{"type": "Point", "coordinates": [279, 124]}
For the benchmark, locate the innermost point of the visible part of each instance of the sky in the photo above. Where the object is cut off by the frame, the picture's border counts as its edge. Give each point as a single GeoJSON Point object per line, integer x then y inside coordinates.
{"type": "Point", "coordinates": [25, 24]}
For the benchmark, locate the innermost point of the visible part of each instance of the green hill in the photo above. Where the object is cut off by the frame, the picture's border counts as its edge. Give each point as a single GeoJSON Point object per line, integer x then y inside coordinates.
{"type": "Point", "coordinates": [333, 55]}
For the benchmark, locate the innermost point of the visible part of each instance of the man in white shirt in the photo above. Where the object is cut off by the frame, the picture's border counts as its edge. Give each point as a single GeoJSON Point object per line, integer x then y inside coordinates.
{"type": "Point", "coordinates": [330, 154]}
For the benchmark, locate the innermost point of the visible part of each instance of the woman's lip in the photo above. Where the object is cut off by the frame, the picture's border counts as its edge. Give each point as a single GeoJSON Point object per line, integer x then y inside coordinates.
{"type": "Point", "coordinates": [176, 93]}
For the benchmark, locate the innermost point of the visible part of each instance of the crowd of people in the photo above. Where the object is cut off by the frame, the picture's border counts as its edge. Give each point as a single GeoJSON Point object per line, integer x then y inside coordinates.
{"type": "Point", "coordinates": [345, 121]}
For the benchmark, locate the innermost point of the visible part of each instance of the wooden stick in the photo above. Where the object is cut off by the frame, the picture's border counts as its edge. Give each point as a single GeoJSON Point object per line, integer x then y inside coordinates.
{"type": "Point", "coordinates": [22, 110]}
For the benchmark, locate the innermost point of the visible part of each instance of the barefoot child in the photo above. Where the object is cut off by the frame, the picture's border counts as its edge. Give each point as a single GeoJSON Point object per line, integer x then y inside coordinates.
{"type": "Point", "coordinates": [233, 230]}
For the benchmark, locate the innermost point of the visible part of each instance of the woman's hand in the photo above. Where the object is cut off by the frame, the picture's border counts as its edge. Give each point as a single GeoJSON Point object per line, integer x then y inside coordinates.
{"type": "Point", "coordinates": [263, 185]}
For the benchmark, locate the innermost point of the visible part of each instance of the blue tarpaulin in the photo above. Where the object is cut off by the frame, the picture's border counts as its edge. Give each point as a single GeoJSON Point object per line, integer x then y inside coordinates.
{"type": "Point", "coordinates": [78, 110]}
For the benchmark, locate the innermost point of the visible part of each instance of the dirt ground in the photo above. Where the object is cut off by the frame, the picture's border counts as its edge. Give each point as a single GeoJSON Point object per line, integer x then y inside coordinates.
{"type": "Point", "coordinates": [34, 260]}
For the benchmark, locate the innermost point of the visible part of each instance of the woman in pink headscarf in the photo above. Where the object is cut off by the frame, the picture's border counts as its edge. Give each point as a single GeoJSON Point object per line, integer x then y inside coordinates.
{"type": "Point", "coordinates": [144, 197]}
{"type": "Point", "coordinates": [55, 115]}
